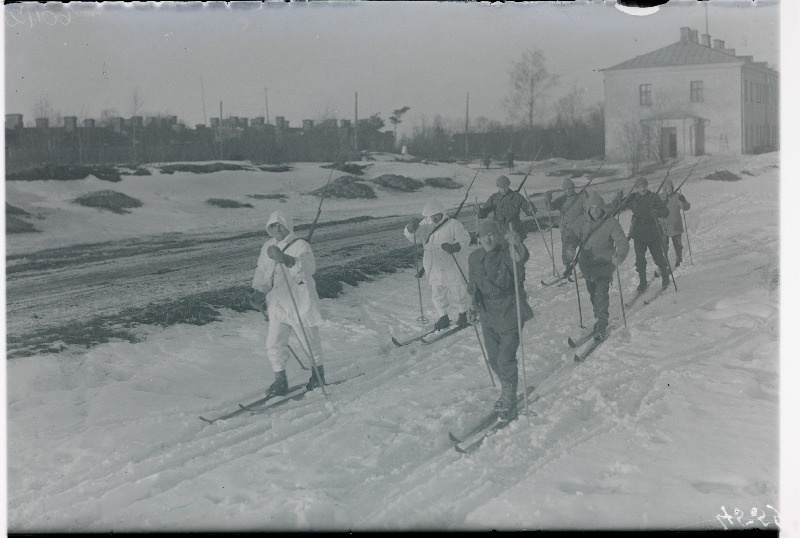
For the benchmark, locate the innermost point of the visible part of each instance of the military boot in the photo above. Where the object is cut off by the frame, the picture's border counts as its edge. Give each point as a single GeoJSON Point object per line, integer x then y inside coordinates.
{"type": "Point", "coordinates": [314, 382]}
{"type": "Point", "coordinates": [642, 282]}
{"type": "Point", "coordinates": [280, 386]}
{"type": "Point", "coordinates": [506, 406]}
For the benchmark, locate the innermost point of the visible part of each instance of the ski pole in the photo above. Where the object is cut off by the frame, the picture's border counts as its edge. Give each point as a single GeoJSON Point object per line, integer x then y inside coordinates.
{"type": "Point", "coordinates": [485, 358]}
{"type": "Point", "coordinates": [303, 330]}
{"type": "Point", "coordinates": [552, 248]}
{"type": "Point", "coordinates": [688, 243]}
{"type": "Point", "coordinates": [421, 319]}
{"type": "Point", "coordinates": [552, 258]}
{"type": "Point", "coordinates": [578, 291]}
{"type": "Point", "coordinates": [519, 319]}
{"type": "Point", "coordinates": [621, 300]}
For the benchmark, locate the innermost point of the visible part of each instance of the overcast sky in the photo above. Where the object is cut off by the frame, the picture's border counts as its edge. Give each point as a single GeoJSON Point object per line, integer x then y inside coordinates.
{"type": "Point", "coordinates": [314, 57]}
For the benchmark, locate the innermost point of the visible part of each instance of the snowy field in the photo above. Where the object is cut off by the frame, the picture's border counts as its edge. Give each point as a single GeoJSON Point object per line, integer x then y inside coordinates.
{"type": "Point", "coordinates": [671, 423]}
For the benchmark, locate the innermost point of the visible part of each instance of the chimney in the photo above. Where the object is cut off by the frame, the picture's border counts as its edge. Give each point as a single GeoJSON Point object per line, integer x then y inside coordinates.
{"type": "Point", "coordinates": [719, 44]}
{"type": "Point", "coordinates": [70, 123]}
{"type": "Point", "coordinates": [693, 36]}
{"type": "Point", "coordinates": [732, 52]}
{"type": "Point", "coordinates": [685, 30]}
{"type": "Point", "coordinates": [706, 40]}
{"type": "Point", "coordinates": [42, 123]}
{"type": "Point", "coordinates": [308, 125]}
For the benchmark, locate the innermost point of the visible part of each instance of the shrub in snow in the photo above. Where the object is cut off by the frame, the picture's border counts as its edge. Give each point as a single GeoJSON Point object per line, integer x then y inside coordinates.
{"type": "Point", "coordinates": [442, 183]}
{"type": "Point", "coordinates": [65, 173]}
{"type": "Point", "coordinates": [346, 187]}
{"type": "Point", "coordinates": [279, 168]}
{"type": "Point", "coordinates": [723, 175]}
{"type": "Point", "coordinates": [110, 200]}
{"type": "Point", "coordinates": [398, 183]}
{"type": "Point", "coordinates": [281, 197]}
{"type": "Point", "coordinates": [202, 168]}
{"type": "Point", "coordinates": [348, 168]}
{"type": "Point", "coordinates": [15, 225]}
{"type": "Point", "coordinates": [224, 202]}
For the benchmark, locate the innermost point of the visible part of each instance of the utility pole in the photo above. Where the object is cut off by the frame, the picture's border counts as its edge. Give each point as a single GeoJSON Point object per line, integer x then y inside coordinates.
{"type": "Point", "coordinates": [266, 107]}
{"type": "Point", "coordinates": [705, 5]}
{"type": "Point", "coordinates": [203, 95]}
{"type": "Point", "coordinates": [355, 132]}
{"type": "Point", "coordinates": [466, 133]}
{"type": "Point", "coordinates": [220, 130]}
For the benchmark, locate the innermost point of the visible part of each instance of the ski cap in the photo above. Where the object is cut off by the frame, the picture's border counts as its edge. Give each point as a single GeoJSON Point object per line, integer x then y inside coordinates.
{"type": "Point", "coordinates": [641, 181]}
{"type": "Point", "coordinates": [434, 207]}
{"type": "Point", "coordinates": [487, 226]}
{"type": "Point", "coordinates": [567, 184]}
{"type": "Point", "coordinates": [280, 218]}
{"type": "Point", "coordinates": [593, 200]}
{"type": "Point", "coordinates": [503, 181]}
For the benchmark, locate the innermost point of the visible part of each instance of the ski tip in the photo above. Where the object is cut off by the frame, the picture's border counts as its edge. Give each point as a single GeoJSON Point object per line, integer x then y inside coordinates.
{"type": "Point", "coordinates": [395, 342]}
{"type": "Point", "coordinates": [209, 421]}
{"type": "Point", "coordinates": [453, 438]}
{"type": "Point", "coordinates": [578, 358]}
{"type": "Point", "coordinates": [571, 343]}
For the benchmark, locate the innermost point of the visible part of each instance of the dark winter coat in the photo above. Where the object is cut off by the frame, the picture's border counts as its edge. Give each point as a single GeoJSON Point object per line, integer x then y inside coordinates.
{"type": "Point", "coordinates": [506, 208]}
{"type": "Point", "coordinates": [646, 208]}
{"type": "Point", "coordinates": [491, 285]}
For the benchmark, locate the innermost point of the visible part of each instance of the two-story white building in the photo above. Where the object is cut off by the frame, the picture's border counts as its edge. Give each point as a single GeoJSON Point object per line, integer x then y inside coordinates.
{"type": "Point", "coordinates": [690, 98]}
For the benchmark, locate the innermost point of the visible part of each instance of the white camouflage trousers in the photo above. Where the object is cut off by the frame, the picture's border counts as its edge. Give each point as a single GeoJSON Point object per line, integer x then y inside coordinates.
{"type": "Point", "coordinates": [278, 344]}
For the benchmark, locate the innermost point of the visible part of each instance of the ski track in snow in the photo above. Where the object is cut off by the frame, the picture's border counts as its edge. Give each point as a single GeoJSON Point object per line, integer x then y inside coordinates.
{"type": "Point", "coordinates": [642, 434]}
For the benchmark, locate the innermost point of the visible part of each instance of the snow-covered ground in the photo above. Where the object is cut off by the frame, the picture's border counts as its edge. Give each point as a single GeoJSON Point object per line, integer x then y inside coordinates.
{"type": "Point", "coordinates": [672, 423]}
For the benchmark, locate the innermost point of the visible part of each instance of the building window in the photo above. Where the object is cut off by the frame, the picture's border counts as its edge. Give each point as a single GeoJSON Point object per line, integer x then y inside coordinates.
{"type": "Point", "coordinates": [752, 96]}
{"type": "Point", "coordinates": [696, 91]}
{"type": "Point", "coordinates": [645, 94]}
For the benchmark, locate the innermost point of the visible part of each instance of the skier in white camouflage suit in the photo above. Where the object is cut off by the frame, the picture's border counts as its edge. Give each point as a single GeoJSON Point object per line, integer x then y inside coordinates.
{"type": "Point", "coordinates": [672, 226]}
{"type": "Point", "coordinates": [445, 241]}
{"type": "Point", "coordinates": [296, 259]}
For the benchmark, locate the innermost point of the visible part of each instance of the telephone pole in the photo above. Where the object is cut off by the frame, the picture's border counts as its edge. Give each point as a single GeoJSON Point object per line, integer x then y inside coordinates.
{"type": "Point", "coordinates": [466, 133]}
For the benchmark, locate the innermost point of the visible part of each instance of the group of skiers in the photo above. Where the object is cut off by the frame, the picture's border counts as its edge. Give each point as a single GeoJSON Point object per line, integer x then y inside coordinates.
{"type": "Point", "coordinates": [492, 289]}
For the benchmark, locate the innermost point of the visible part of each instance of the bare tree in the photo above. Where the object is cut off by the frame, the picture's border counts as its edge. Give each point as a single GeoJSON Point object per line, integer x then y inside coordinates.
{"type": "Point", "coordinates": [43, 109]}
{"type": "Point", "coordinates": [136, 105]}
{"type": "Point", "coordinates": [569, 117]}
{"type": "Point", "coordinates": [530, 81]}
{"type": "Point", "coordinates": [632, 142]}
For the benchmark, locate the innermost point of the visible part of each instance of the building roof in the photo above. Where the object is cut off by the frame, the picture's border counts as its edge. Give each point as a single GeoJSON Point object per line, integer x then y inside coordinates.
{"type": "Point", "coordinates": [680, 53]}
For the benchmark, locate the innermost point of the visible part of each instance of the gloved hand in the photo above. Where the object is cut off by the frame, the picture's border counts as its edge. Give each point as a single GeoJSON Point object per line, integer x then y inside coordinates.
{"type": "Point", "coordinates": [531, 207]}
{"type": "Point", "coordinates": [513, 239]}
{"type": "Point", "coordinates": [451, 248]}
{"type": "Point", "coordinates": [615, 260]}
{"type": "Point", "coordinates": [472, 317]}
{"type": "Point", "coordinates": [548, 198]}
{"type": "Point", "coordinates": [681, 198]}
{"type": "Point", "coordinates": [413, 224]}
{"type": "Point", "coordinates": [421, 272]}
{"type": "Point", "coordinates": [275, 253]}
